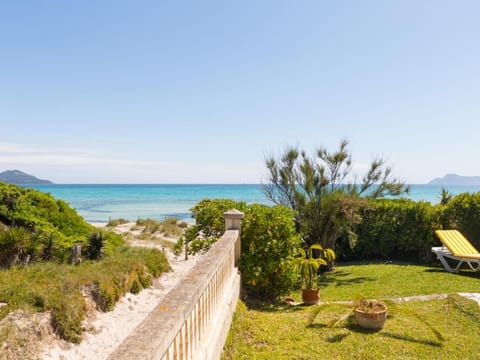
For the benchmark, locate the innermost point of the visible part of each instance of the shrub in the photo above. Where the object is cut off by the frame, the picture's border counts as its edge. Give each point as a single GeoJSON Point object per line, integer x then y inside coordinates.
{"type": "Point", "coordinates": [67, 317]}
{"type": "Point", "coordinates": [462, 212]}
{"type": "Point", "coordinates": [172, 227]}
{"type": "Point", "coordinates": [41, 214]}
{"type": "Point", "coordinates": [397, 229]}
{"type": "Point", "coordinates": [150, 226]}
{"type": "Point", "coordinates": [208, 215]}
{"type": "Point", "coordinates": [210, 225]}
{"type": "Point", "coordinates": [268, 237]}
{"type": "Point", "coordinates": [116, 222]}
{"type": "Point", "coordinates": [269, 242]}
{"type": "Point", "coordinates": [96, 244]}
{"type": "Point", "coordinates": [16, 244]}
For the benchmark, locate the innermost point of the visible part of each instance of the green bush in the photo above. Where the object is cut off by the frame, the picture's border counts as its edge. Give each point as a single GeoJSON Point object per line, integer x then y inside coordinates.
{"type": "Point", "coordinates": [39, 211]}
{"type": "Point", "coordinates": [394, 230]}
{"type": "Point", "coordinates": [210, 225]}
{"type": "Point", "coordinates": [51, 225]}
{"type": "Point", "coordinates": [462, 212]}
{"type": "Point", "coordinates": [208, 214]}
{"type": "Point", "coordinates": [269, 242]}
{"type": "Point", "coordinates": [268, 237]}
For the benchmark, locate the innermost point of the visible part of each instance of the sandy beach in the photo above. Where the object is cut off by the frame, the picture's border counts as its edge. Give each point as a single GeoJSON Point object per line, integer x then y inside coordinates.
{"type": "Point", "coordinates": [105, 331]}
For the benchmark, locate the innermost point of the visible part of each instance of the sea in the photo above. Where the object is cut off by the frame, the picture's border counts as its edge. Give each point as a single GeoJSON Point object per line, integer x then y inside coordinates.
{"type": "Point", "coordinates": [98, 203]}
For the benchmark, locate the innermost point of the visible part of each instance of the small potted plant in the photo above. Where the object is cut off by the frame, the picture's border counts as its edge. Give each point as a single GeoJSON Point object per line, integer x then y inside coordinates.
{"type": "Point", "coordinates": [307, 267]}
{"type": "Point", "coordinates": [370, 314]}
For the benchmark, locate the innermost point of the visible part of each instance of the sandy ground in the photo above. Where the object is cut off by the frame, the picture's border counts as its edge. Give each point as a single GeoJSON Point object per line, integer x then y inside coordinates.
{"type": "Point", "coordinates": [107, 330]}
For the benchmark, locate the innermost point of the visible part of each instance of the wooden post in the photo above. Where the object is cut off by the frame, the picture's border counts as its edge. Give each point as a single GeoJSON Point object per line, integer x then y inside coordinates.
{"type": "Point", "coordinates": [76, 254]}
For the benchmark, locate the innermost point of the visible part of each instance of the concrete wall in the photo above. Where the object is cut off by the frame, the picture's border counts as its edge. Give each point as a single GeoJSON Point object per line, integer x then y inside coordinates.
{"type": "Point", "coordinates": [193, 320]}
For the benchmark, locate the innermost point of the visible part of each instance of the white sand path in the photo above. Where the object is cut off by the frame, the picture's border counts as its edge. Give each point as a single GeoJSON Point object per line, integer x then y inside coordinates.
{"type": "Point", "coordinates": [108, 330]}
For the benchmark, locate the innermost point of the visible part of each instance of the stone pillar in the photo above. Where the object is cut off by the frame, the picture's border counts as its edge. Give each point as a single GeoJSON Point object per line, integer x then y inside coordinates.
{"type": "Point", "coordinates": [233, 221]}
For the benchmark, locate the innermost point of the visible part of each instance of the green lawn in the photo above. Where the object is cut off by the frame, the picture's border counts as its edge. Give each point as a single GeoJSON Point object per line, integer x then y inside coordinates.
{"type": "Point", "coordinates": [436, 329]}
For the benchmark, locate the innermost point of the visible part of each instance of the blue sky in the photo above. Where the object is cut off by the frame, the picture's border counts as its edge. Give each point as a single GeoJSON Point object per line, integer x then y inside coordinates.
{"type": "Point", "coordinates": [201, 91]}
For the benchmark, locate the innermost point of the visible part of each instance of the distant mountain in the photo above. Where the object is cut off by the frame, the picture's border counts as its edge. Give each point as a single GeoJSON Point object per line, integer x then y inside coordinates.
{"type": "Point", "coordinates": [454, 179]}
{"type": "Point", "coordinates": [19, 177]}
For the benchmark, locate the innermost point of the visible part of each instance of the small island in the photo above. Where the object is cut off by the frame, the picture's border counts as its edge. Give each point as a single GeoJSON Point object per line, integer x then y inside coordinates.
{"type": "Point", "coordinates": [454, 179]}
{"type": "Point", "coordinates": [18, 177]}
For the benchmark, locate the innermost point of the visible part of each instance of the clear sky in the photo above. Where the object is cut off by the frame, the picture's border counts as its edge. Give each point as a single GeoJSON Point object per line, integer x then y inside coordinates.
{"type": "Point", "coordinates": [159, 91]}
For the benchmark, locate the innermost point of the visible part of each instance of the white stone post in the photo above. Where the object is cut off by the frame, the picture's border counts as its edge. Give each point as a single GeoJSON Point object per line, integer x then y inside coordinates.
{"type": "Point", "coordinates": [233, 221]}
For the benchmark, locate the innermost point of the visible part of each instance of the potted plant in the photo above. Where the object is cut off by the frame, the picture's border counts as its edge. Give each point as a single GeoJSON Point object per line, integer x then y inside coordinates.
{"type": "Point", "coordinates": [307, 267]}
{"type": "Point", "coordinates": [370, 314]}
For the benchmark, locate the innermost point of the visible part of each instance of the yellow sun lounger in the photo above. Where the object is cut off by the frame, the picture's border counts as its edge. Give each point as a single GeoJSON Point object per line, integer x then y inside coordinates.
{"type": "Point", "coordinates": [458, 248]}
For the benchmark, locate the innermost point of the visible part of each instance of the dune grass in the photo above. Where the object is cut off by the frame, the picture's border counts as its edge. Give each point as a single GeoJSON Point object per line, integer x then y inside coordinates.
{"type": "Point", "coordinates": [169, 227]}
{"type": "Point", "coordinates": [61, 288]}
{"type": "Point", "coordinates": [434, 329]}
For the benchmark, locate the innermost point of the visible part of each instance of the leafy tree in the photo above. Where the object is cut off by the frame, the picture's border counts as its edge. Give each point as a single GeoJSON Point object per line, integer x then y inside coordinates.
{"type": "Point", "coordinates": [323, 193]}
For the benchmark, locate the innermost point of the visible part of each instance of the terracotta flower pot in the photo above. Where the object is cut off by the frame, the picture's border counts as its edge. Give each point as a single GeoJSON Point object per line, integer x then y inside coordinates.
{"type": "Point", "coordinates": [310, 296]}
{"type": "Point", "coordinates": [371, 320]}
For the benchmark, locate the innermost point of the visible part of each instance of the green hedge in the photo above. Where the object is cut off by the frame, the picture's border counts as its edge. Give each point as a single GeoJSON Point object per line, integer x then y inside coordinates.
{"type": "Point", "coordinates": [390, 229]}
{"type": "Point", "coordinates": [463, 213]}
{"type": "Point", "coordinates": [404, 230]}
{"type": "Point", "coordinates": [395, 230]}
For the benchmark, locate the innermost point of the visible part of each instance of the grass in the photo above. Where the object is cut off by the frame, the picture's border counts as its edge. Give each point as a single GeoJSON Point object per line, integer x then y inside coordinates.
{"type": "Point", "coordinates": [352, 281]}
{"type": "Point", "coordinates": [116, 222]}
{"type": "Point", "coordinates": [435, 329]}
{"type": "Point", "coordinates": [169, 227]}
{"type": "Point", "coordinates": [60, 288]}
{"type": "Point", "coordinates": [167, 243]}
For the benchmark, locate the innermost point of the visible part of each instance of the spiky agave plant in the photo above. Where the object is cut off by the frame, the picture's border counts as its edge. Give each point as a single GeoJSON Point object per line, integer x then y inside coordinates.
{"type": "Point", "coordinates": [96, 244]}
{"type": "Point", "coordinates": [15, 245]}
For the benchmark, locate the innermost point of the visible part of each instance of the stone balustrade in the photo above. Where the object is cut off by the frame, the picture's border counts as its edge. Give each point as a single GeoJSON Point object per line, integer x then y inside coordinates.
{"type": "Point", "coordinates": [193, 319]}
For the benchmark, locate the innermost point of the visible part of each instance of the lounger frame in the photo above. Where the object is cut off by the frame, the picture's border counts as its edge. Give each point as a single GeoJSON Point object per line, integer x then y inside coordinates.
{"type": "Point", "coordinates": [443, 253]}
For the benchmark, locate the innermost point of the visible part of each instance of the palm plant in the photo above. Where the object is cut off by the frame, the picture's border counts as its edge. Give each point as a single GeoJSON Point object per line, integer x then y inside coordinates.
{"type": "Point", "coordinates": [445, 196]}
{"type": "Point", "coordinates": [96, 246]}
{"type": "Point", "coordinates": [49, 247]}
{"type": "Point", "coordinates": [15, 245]}
{"type": "Point", "coordinates": [307, 265]}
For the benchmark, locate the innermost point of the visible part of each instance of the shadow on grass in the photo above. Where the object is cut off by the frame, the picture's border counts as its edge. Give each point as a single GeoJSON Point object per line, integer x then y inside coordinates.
{"type": "Point", "coordinates": [336, 338]}
{"type": "Point", "coordinates": [411, 339]}
{"type": "Point", "coordinates": [259, 305]}
{"type": "Point", "coordinates": [461, 272]}
{"type": "Point", "coordinates": [354, 328]}
{"type": "Point", "coordinates": [337, 278]}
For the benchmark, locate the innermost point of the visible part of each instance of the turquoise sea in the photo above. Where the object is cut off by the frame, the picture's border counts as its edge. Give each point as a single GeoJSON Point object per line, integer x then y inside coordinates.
{"type": "Point", "coordinates": [99, 203]}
